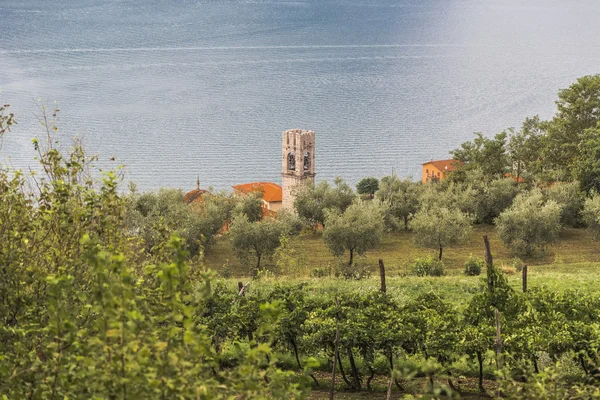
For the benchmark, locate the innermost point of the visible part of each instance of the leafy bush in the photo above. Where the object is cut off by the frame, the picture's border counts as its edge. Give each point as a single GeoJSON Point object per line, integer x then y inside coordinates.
{"type": "Point", "coordinates": [473, 266]}
{"type": "Point", "coordinates": [428, 266]}
{"type": "Point", "coordinates": [319, 272]}
{"type": "Point", "coordinates": [354, 271]}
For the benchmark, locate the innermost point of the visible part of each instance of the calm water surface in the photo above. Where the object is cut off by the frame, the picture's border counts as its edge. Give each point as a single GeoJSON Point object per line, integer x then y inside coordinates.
{"type": "Point", "coordinates": [179, 89]}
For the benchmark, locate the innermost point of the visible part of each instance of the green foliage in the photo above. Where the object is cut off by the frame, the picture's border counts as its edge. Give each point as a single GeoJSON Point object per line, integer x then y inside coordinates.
{"type": "Point", "coordinates": [250, 205]}
{"type": "Point", "coordinates": [155, 216]}
{"type": "Point", "coordinates": [355, 271]}
{"type": "Point", "coordinates": [489, 155]}
{"type": "Point", "coordinates": [530, 224]}
{"type": "Point", "coordinates": [591, 214]}
{"type": "Point", "coordinates": [83, 317]}
{"type": "Point", "coordinates": [474, 266]}
{"type": "Point", "coordinates": [257, 239]}
{"type": "Point", "coordinates": [401, 197]}
{"type": "Point", "coordinates": [428, 266]}
{"type": "Point", "coordinates": [578, 109]}
{"type": "Point", "coordinates": [569, 198]}
{"type": "Point", "coordinates": [313, 201]}
{"type": "Point", "coordinates": [440, 227]}
{"type": "Point", "coordinates": [367, 186]}
{"type": "Point", "coordinates": [357, 229]}
{"type": "Point", "coordinates": [523, 149]}
{"type": "Point", "coordinates": [587, 168]}
{"type": "Point", "coordinates": [7, 120]}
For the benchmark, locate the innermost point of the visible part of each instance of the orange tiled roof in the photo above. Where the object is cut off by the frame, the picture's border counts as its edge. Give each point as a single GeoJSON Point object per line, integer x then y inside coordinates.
{"type": "Point", "coordinates": [444, 165]}
{"type": "Point", "coordinates": [271, 191]}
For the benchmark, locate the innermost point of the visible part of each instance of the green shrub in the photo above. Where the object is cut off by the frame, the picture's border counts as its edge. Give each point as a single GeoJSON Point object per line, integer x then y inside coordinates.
{"type": "Point", "coordinates": [319, 272]}
{"type": "Point", "coordinates": [428, 266]}
{"type": "Point", "coordinates": [355, 271]}
{"type": "Point", "coordinates": [473, 266]}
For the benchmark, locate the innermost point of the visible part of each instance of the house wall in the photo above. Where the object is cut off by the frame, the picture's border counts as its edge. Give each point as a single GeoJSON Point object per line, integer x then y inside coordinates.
{"type": "Point", "coordinates": [431, 170]}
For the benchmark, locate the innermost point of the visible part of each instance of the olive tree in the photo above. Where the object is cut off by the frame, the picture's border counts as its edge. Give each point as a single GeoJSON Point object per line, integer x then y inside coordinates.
{"type": "Point", "coordinates": [155, 216]}
{"type": "Point", "coordinates": [367, 186]}
{"type": "Point", "coordinates": [251, 205]}
{"type": "Point", "coordinates": [529, 224]}
{"type": "Point", "coordinates": [258, 239]}
{"type": "Point", "coordinates": [357, 229]}
{"type": "Point", "coordinates": [401, 197]}
{"type": "Point", "coordinates": [440, 227]}
{"type": "Point", "coordinates": [568, 196]}
{"type": "Point", "coordinates": [591, 214]}
{"type": "Point", "coordinates": [312, 201]}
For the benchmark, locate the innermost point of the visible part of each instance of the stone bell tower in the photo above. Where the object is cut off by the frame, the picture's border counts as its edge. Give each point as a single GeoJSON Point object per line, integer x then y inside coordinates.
{"type": "Point", "coordinates": [298, 163]}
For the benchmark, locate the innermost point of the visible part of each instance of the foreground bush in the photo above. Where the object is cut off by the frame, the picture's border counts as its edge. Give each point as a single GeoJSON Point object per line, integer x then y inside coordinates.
{"type": "Point", "coordinates": [473, 266]}
{"type": "Point", "coordinates": [428, 266]}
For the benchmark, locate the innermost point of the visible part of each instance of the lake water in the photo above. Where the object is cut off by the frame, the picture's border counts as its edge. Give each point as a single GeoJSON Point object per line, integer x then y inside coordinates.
{"type": "Point", "coordinates": [180, 89]}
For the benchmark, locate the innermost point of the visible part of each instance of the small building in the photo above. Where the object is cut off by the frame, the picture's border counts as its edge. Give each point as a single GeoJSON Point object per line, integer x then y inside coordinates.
{"type": "Point", "coordinates": [438, 170]}
{"type": "Point", "coordinates": [194, 196]}
{"type": "Point", "coordinates": [272, 194]}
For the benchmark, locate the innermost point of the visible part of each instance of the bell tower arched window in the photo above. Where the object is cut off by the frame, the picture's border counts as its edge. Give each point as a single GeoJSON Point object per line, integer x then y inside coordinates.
{"type": "Point", "coordinates": [291, 159]}
{"type": "Point", "coordinates": [306, 161]}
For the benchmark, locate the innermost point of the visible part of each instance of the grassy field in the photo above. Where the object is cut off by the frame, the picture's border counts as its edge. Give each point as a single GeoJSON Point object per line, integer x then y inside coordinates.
{"type": "Point", "coordinates": [398, 250]}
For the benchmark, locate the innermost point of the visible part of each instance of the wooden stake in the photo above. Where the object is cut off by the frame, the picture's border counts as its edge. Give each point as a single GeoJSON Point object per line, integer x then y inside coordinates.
{"type": "Point", "coordinates": [524, 278]}
{"type": "Point", "coordinates": [336, 350]}
{"type": "Point", "coordinates": [489, 262]}
{"type": "Point", "coordinates": [498, 339]}
{"type": "Point", "coordinates": [383, 288]}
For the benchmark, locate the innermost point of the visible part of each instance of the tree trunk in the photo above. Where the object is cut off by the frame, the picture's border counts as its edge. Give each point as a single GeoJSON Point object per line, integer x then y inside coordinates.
{"type": "Point", "coordinates": [398, 385]}
{"type": "Point", "coordinates": [406, 222]}
{"type": "Point", "coordinates": [354, 370]}
{"type": "Point", "coordinates": [295, 347]}
{"type": "Point", "coordinates": [480, 361]}
{"type": "Point", "coordinates": [383, 288]}
{"type": "Point", "coordinates": [441, 250]}
{"type": "Point", "coordinates": [258, 257]}
{"type": "Point", "coordinates": [524, 278]}
{"type": "Point", "coordinates": [339, 360]}
{"type": "Point", "coordinates": [351, 257]}
{"type": "Point", "coordinates": [450, 383]}
{"type": "Point", "coordinates": [370, 378]}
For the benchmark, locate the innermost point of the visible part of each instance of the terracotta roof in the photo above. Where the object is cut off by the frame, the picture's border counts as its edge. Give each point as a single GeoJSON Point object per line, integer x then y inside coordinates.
{"type": "Point", "coordinates": [194, 195]}
{"type": "Point", "coordinates": [271, 191]}
{"type": "Point", "coordinates": [444, 165]}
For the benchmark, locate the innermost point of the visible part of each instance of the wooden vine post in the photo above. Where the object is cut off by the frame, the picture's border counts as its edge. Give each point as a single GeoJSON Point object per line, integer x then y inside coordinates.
{"type": "Point", "coordinates": [489, 262]}
{"type": "Point", "coordinates": [336, 349]}
{"type": "Point", "coordinates": [383, 288]}
{"type": "Point", "coordinates": [524, 278]}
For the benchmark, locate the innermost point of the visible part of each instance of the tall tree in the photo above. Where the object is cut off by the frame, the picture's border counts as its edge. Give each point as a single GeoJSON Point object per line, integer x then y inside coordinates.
{"type": "Point", "coordinates": [523, 148]}
{"type": "Point", "coordinates": [587, 169]}
{"type": "Point", "coordinates": [489, 155]}
{"type": "Point", "coordinates": [578, 109]}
